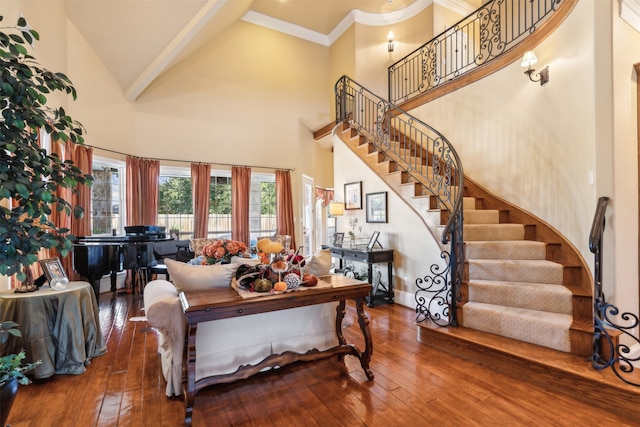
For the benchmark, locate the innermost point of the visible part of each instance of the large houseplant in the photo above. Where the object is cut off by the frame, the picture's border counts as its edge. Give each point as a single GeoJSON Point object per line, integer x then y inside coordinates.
{"type": "Point", "coordinates": [29, 176]}
{"type": "Point", "coordinates": [12, 371]}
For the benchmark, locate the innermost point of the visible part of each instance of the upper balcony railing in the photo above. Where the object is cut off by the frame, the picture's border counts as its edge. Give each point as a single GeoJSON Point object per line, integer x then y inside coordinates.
{"type": "Point", "coordinates": [489, 32]}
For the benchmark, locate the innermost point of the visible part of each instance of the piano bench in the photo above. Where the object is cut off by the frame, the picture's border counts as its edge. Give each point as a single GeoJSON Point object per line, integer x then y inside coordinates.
{"type": "Point", "coordinates": [160, 269]}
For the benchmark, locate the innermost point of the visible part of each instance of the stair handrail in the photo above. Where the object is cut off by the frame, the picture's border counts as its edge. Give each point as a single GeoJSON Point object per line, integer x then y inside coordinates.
{"type": "Point", "coordinates": [416, 146]}
{"type": "Point", "coordinates": [607, 351]}
{"type": "Point", "coordinates": [467, 45]}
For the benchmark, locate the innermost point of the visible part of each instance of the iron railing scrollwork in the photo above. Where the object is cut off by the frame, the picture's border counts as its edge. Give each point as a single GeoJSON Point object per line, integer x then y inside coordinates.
{"type": "Point", "coordinates": [607, 351]}
{"type": "Point", "coordinates": [495, 28]}
{"type": "Point", "coordinates": [429, 159]}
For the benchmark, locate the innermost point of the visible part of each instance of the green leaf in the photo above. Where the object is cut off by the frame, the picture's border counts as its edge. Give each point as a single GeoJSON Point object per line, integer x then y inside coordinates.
{"type": "Point", "coordinates": [22, 190]}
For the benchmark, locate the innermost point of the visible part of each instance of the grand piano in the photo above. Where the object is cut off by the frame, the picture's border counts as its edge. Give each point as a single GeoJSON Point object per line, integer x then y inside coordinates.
{"type": "Point", "coordinates": [97, 256]}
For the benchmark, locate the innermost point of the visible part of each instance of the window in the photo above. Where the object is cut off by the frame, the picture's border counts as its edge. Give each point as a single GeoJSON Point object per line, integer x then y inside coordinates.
{"type": "Point", "coordinates": [175, 210]}
{"type": "Point", "coordinates": [106, 197]}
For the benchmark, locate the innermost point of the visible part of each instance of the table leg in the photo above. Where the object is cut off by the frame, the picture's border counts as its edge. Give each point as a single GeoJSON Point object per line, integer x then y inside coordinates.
{"type": "Point", "coordinates": [390, 278]}
{"type": "Point", "coordinates": [365, 356]}
{"type": "Point", "coordinates": [372, 295]}
{"type": "Point", "coordinates": [340, 313]}
{"type": "Point", "coordinates": [114, 280]}
{"type": "Point", "coordinates": [191, 373]}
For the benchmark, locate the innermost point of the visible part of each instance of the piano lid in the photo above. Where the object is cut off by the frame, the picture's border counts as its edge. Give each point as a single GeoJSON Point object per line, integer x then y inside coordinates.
{"type": "Point", "coordinates": [146, 230]}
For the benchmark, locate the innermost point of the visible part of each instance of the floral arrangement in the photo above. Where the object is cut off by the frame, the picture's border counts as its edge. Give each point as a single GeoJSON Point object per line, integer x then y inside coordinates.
{"type": "Point", "coordinates": [221, 251]}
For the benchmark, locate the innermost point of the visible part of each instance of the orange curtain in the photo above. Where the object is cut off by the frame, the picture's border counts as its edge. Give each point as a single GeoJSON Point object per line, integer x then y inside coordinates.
{"type": "Point", "coordinates": [142, 191]}
{"type": "Point", "coordinates": [82, 157]}
{"type": "Point", "coordinates": [324, 194]}
{"type": "Point", "coordinates": [328, 197]}
{"type": "Point", "coordinates": [284, 205]}
{"type": "Point", "coordinates": [61, 219]}
{"type": "Point", "coordinates": [240, 191]}
{"type": "Point", "coordinates": [200, 181]}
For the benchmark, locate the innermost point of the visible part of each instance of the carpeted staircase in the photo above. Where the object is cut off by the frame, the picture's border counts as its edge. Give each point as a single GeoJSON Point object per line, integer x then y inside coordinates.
{"type": "Point", "coordinates": [522, 280]}
{"type": "Point", "coordinates": [512, 290]}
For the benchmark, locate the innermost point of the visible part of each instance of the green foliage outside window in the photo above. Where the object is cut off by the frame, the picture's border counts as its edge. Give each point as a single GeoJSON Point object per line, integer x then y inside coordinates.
{"type": "Point", "coordinates": [220, 195]}
{"type": "Point", "coordinates": [268, 198]}
{"type": "Point", "coordinates": [175, 195]}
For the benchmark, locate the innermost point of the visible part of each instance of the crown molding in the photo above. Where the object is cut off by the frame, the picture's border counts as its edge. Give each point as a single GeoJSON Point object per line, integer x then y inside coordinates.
{"type": "Point", "coordinates": [286, 27]}
{"type": "Point", "coordinates": [630, 12]}
{"type": "Point", "coordinates": [356, 16]}
{"type": "Point", "coordinates": [460, 7]}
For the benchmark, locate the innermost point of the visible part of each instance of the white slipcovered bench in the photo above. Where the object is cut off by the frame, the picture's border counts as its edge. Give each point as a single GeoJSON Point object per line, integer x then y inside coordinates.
{"type": "Point", "coordinates": [224, 345]}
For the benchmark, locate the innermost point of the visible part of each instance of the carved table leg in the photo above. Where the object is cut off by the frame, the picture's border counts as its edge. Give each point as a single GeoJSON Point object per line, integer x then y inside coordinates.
{"type": "Point", "coordinates": [191, 373]}
{"type": "Point", "coordinates": [365, 356]}
{"type": "Point", "coordinates": [340, 313]}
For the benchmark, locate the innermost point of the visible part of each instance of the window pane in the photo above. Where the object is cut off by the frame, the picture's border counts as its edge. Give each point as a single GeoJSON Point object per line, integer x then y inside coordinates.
{"type": "Point", "coordinates": [175, 210]}
{"type": "Point", "coordinates": [220, 207]}
{"type": "Point", "coordinates": [105, 201]}
{"type": "Point", "coordinates": [262, 207]}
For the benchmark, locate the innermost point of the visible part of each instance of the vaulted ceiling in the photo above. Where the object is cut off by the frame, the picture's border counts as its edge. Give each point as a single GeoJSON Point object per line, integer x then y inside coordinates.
{"type": "Point", "coordinates": [138, 40]}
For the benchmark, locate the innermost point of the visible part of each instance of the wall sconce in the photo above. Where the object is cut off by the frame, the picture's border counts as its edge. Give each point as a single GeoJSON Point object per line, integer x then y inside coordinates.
{"type": "Point", "coordinates": [336, 209]}
{"type": "Point", "coordinates": [527, 61]}
{"type": "Point", "coordinates": [390, 39]}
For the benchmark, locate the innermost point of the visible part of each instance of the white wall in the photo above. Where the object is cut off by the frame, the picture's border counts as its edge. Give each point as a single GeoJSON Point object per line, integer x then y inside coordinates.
{"type": "Point", "coordinates": [414, 248]}
{"type": "Point", "coordinates": [621, 265]}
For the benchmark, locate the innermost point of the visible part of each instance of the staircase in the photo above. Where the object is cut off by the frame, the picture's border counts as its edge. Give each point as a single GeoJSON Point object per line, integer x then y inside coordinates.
{"type": "Point", "coordinates": [522, 280]}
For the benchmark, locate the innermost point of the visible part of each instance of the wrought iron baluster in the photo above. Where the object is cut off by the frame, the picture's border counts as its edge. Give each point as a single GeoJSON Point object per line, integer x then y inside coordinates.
{"type": "Point", "coordinates": [605, 314]}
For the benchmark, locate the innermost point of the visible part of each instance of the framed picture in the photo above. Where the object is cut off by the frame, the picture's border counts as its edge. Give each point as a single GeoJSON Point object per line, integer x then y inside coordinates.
{"type": "Point", "coordinates": [353, 195]}
{"type": "Point", "coordinates": [377, 207]}
{"type": "Point", "coordinates": [373, 241]}
{"type": "Point", "coordinates": [339, 238]}
{"type": "Point", "coordinates": [53, 269]}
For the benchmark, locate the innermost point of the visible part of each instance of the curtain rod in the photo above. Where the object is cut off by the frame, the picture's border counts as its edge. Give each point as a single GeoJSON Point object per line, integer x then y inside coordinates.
{"type": "Point", "coordinates": [185, 161]}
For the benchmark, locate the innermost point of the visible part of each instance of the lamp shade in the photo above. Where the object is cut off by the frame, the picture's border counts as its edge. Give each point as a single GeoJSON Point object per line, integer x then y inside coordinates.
{"type": "Point", "coordinates": [336, 209]}
{"type": "Point", "coordinates": [529, 59]}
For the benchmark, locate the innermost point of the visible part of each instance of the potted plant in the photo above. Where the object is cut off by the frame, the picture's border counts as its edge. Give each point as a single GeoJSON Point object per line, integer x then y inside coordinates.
{"type": "Point", "coordinates": [29, 176]}
{"type": "Point", "coordinates": [12, 371]}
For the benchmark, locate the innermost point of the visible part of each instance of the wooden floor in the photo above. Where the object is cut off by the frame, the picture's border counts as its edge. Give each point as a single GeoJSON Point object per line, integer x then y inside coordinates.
{"type": "Point", "coordinates": [414, 385]}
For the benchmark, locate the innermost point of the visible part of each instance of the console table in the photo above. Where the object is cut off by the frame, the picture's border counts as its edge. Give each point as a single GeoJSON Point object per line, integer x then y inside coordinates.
{"type": "Point", "coordinates": [370, 257]}
{"type": "Point", "coordinates": [222, 303]}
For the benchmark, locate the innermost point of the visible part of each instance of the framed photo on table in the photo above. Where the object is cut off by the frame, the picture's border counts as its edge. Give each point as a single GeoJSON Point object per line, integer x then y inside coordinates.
{"type": "Point", "coordinates": [339, 238]}
{"type": "Point", "coordinates": [373, 241]}
{"type": "Point", "coordinates": [353, 195]}
{"type": "Point", "coordinates": [53, 269]}
{"type": "Point", "coordinates": [377, 207]}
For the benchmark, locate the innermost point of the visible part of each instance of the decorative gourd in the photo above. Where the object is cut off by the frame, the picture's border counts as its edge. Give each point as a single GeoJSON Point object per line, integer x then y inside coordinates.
{"type": "Point", "coordinates": [280, 286]}
{"type": "Point", "coordinates": [292, 280]}
{"type": "Point", "coordinates": [262, 285]}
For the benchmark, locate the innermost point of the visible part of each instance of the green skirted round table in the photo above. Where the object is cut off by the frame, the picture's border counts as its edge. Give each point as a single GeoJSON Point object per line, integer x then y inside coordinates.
{"type": "Point", "coordinates": [60, 328]}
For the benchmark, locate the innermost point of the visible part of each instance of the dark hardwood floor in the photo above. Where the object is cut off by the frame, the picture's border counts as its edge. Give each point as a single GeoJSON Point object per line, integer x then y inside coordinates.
{"type": "Point", "coordinates": [414, 385]}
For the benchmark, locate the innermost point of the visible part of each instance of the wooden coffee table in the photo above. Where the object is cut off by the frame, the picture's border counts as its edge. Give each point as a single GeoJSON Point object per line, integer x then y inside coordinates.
{"type": "Point", "coordinates": [223, 303]}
